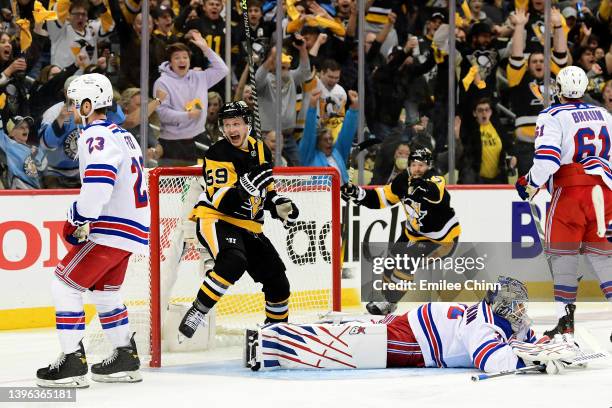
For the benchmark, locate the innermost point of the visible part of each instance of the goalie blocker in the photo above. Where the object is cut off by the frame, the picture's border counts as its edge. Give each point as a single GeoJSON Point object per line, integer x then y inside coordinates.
{"type": "Point", "coordinates": [492, 335]}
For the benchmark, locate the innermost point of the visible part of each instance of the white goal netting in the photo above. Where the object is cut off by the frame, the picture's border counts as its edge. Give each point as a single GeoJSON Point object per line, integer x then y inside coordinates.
{"type": "Point", "coordinates": [309, 251]}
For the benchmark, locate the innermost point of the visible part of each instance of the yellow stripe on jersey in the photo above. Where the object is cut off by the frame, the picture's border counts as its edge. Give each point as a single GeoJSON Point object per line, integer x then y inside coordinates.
{"type": "Point", "coordinates": [219, 174]}
{"type": "Point", "coordinates": [390, 195]}
{"type": "Point", "coordinates": [207, 229]}
{"type": "Point", "coordinates": [515, 72]}
{"type": "Point", "coordinates": [378, 15]}
{"type": "Point", "coordinates": [450, 236]}
{"type": "Point", "coordinates": [203, 212]}
{"type": "Point", "coordinates": [440, 183]}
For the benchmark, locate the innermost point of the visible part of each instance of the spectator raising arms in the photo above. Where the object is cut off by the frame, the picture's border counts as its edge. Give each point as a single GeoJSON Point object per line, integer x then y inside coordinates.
{"type": "Point", "coordinates": [74, 34]}
{"type": "Point", "coordinates": [526, 82]}
{"type": "Point", "coordinates": [266, 90]}
{"type": "Point", "coordinates": [317, 147]}
{"type": "Point", "coordinates": [183, 114]}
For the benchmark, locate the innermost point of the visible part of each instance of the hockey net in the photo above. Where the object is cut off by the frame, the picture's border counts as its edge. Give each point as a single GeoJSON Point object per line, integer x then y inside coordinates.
{"type": "Point", "coordinates": [169, 278]}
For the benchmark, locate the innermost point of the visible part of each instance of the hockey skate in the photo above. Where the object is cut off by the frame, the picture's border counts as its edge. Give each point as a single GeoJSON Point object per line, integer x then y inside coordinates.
{"type": "Point", "coordinates": [381, 308]}
{"type": "Point", "coordinates": [67, 372]}
{"type": "Point", "coordinates": [565, 324]}
{"type": "Point", "coordinates": [121, 366]}
{"type": "Point", "coordinates": [250, 350]}
{"type": "Point", "coordinates": [193, 319]}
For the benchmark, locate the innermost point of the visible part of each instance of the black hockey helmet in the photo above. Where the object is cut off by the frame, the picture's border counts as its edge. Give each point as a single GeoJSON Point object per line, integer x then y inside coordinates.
{"type": "Point", "coordinates": [238, 109]}
{"type": "Point", "coordinates": [422, 155]}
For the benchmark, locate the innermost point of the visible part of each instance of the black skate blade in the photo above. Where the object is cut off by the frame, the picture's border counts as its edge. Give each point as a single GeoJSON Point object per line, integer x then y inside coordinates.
{"type": "Point", "coordinates": [68, 382]}
{"type": "Point", "coordinates": [120, 377]}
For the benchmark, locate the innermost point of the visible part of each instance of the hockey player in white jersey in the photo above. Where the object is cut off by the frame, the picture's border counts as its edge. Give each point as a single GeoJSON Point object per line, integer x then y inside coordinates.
{"type": "Point", "coordinates": [492, 335]}
{"type": "Point", "coordinates": [106, 224]}
{"type": "Point", "coordinates": [572, 158]}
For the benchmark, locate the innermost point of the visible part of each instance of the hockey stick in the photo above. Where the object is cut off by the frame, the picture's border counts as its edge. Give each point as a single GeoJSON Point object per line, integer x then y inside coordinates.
{"type": "Point", "coordinates": [352, 162]}
{"type": "Point", "coordinates": [481, 377]}
{"type": "Point", "coordinates": [538, 223]}
{"type": "Point", "coordinates": [579, 362]}
{"type": "Point", "coordinates": [247, 31]}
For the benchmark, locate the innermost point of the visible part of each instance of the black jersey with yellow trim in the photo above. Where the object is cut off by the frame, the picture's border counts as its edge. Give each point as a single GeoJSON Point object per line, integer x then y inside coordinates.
{"type": "Point", "coordinates": [223, 197]}
{"type": "Point", "coordinates": [527, 93]}
{"type": "Point", "coordinates": [429, 215]}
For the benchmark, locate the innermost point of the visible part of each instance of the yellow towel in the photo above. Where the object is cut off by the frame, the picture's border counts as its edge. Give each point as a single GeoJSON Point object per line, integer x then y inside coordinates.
{"type": "Point", "coordinates": [25, 36]}
{"type": "Point", "coordinates": [41, 14]}
{"type": "Point", "coordinates": [2, 100]}
{"type": "Point", "coordinates": [106, 19]}
{"type": "Point", "coordinates": [194, 104]}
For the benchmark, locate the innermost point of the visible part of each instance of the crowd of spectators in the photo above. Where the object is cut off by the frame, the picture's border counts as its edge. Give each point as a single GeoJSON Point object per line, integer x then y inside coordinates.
{"type": "Point", "coordinates": [500, 67]}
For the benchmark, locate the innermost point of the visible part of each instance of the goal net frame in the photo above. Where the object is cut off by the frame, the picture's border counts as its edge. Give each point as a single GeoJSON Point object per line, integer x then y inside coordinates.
{"type": "Point", "coordinates": [155, 249]}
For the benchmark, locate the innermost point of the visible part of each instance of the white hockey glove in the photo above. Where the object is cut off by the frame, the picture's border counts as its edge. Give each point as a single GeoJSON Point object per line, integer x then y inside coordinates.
{"type": "Point", "coordinates": [555, 355]}
{"type": "Point", "coordinates": [284, 209]}
{"type": "Point", "coordinates": [257, 180]}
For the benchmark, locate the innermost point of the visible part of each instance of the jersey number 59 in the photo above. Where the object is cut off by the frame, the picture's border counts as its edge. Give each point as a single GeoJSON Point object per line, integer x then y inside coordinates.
{"type": "Point", "coordinates": [216, 176]}
{"type": "Point", "coordinates": [586, 145]}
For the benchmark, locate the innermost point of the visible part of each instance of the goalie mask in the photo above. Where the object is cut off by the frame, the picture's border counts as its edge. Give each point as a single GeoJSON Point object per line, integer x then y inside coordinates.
{"type": "Point", "coordinates": [509, 301]}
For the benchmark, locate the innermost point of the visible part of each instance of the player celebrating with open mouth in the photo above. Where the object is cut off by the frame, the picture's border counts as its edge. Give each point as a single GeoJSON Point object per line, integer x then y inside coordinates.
{"type": "Point", "coordinates": [431, 224]}
{"type": "Point", "coordinates": [230, 216]}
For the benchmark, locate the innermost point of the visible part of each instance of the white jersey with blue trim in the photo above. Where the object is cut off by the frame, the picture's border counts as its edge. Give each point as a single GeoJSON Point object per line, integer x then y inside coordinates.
{"type": "Point", "coordinates": [572, 133]}
{"type": "Point", "coordinates": [454, 335]}
{"type": "Point", "coordinates": [113, 197]}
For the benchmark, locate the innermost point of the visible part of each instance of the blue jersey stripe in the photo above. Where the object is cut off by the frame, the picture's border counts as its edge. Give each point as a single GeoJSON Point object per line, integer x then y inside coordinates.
{"type": "Point", "coordinates": [124, 221]}
{"type": "Point", "coordinates": [117, 233]}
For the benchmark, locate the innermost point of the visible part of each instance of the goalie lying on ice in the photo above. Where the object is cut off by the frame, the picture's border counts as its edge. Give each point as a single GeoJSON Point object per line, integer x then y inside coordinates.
{"type": "Point", "coordinates": [492, 335]}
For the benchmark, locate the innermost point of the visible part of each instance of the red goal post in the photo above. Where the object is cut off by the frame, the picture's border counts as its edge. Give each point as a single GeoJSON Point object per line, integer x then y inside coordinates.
{"type": "Point", "coordinates": [327, 180]}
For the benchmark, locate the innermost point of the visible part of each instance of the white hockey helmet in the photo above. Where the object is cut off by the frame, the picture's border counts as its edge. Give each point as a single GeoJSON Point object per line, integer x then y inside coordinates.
{"type": "Point", "coordinates": [572, 82]}
{"type": "Point", "coordinates": [93, 87]}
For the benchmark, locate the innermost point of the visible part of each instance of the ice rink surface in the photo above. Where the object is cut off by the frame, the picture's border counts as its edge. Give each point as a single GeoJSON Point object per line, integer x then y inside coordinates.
{"type": "Point", "coordinates": [217, 379]}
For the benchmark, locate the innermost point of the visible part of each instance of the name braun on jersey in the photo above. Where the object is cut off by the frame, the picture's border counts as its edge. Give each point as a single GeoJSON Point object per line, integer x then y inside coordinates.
{"type": "Point", "coordinates": [470, 284]}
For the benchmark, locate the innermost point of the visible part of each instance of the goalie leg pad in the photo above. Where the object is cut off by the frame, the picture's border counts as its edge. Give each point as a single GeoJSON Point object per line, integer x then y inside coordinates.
{"type": "Point", "coordinates": [323, 346]}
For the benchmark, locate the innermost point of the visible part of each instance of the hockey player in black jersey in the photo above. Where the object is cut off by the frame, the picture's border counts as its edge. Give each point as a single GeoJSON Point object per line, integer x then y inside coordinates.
{"type": "Point", "coordinates": [431, 224]}
{"type": "Point", "coordinates": [230, 216]}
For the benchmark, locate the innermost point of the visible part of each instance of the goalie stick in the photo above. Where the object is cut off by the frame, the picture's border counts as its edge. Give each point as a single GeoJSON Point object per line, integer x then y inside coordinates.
{"type": "Point", "coordinates": [579, 361]}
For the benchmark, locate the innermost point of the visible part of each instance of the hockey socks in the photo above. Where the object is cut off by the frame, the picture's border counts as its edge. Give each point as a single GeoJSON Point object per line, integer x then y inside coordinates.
{"type": "Point", "coordinates": [69, 315]}
{"type": "Point", "coordinates": [212, 289]}
{"type": "Point", "coordinates": [277, 311]}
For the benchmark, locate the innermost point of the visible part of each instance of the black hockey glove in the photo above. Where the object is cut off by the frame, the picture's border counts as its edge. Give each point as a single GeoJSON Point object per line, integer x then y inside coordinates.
{"type": "Point", "coordinates": [282, 208]}
{"type": "Point", "coordinates": [257, 180]}
{"type": "Point", "coordinates": [418, 188]}
{"type": "Point", "coordinates": [350, 191]}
